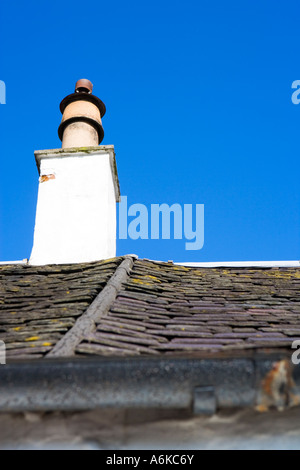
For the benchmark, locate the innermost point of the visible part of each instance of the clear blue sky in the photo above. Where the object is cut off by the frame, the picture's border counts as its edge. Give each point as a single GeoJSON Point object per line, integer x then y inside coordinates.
{"type": "Point", "coordinates": [198, 97]}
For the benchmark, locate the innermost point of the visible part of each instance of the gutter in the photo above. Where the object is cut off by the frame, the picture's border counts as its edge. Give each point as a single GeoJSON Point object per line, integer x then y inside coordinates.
{"type": "Point", "coordinates": [201, 385]}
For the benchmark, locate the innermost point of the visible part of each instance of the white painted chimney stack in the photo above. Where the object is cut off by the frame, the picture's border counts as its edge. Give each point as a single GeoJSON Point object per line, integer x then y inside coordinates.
{"type": "Point", "coordinates": [78, 187]}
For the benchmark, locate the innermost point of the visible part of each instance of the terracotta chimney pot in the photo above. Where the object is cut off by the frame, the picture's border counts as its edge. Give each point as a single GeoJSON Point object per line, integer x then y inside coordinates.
{"type": "Point", "coordinates": [81, 124]}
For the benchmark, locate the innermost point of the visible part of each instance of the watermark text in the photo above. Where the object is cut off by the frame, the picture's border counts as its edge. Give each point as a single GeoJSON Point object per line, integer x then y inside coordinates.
{"type": "Point", "coordinates": [2, 92]}
{"type": "Point", "coordinates": [2, 353]}
{"type": "Point", "coordinates": [162, 221]}
{"type": "Point", "coordinates": [296, 354]}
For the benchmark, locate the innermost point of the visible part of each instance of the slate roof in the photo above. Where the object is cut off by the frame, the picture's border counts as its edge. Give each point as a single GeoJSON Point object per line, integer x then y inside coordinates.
{"type": "Point", "coordinates": [157, 309]}
{"type": "Point", "coordinates": [38, 305]}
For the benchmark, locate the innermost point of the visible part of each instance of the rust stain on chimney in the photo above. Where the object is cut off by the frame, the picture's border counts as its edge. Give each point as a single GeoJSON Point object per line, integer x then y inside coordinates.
{"type": "Point", "coordinates": [44, 178]}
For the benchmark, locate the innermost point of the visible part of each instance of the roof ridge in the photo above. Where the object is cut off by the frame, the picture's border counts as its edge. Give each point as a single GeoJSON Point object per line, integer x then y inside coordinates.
{"type": "Point", "coordinates": [86, 323]}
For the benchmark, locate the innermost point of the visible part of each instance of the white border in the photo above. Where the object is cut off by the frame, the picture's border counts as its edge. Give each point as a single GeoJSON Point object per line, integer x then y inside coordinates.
{"type": "Point", "coordinates": [243, 264]}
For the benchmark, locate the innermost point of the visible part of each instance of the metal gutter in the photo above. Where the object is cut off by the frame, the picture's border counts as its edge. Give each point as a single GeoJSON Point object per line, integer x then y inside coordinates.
{"type": "Point", "coordinates": [203, 385]}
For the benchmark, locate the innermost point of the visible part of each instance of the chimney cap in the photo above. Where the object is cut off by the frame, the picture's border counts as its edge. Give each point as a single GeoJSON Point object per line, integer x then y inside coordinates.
{"type": "Point", "coordinates": [83, 86]}
{"type": "Point", "coordinates": [83, 92]}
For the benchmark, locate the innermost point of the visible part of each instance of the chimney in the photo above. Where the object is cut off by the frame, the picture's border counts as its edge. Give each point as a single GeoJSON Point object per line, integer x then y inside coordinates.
{"type": "Point", "coordinates": [78, 187]}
